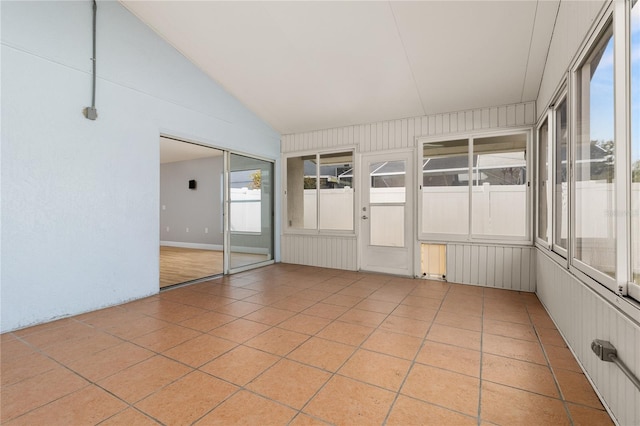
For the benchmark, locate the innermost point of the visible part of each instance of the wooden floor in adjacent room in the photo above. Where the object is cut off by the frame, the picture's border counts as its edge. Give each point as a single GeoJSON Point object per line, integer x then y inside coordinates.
{"type": "Point", "coordinates": [179, 265]}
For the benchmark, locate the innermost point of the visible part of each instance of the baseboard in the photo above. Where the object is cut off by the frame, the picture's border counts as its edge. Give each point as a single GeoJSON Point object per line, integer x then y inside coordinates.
{"type": "Point", "coordinates": [200, 246]}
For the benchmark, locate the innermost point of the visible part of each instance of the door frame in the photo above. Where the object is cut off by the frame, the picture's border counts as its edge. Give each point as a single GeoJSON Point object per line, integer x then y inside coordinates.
{"type": "Point", "coordinates": [362, 158]}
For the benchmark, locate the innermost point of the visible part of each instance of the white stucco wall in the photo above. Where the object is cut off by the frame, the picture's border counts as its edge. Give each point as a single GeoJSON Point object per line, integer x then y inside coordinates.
{"type": "Point", "coordinates": [80, 198]}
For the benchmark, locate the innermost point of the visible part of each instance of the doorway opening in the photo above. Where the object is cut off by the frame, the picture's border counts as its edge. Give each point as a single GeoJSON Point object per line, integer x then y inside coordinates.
{"type": "Point", "coordinates": [191, 218]}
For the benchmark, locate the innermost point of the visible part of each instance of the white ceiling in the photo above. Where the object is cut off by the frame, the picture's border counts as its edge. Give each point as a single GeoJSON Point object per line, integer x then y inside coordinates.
{"type": "Point", "coordinates": [304, 66]}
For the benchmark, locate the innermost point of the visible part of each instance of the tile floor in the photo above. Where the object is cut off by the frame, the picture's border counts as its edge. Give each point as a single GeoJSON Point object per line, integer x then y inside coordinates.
{"type": "Point", "coordinates": [289, 344]}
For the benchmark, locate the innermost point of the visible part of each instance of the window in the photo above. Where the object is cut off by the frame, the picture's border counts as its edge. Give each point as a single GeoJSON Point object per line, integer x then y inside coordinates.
{"type": "Point", "coordinates": [543, 183]}
{"type": "Point", "coordinates": [635, 142]}
{"type": "Point", "coordinates": [245, 201]}
{"type": "Point", "coordinates": [320, 191]}
{"type": "Point", "coordinates": [499, 190]}
{"type": "Point", "coordinates": [445, 187]}
{"type": "Point", "coordinates": [594, 218]}
{"type": "Point", "coordinates": [560, 178]}
{"type": "Point", "coordinates": [475, 186]}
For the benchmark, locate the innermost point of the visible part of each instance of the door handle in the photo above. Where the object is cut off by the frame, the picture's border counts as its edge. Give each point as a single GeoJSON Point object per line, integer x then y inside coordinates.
{"type": "Point", "coordinates": [365, 217]}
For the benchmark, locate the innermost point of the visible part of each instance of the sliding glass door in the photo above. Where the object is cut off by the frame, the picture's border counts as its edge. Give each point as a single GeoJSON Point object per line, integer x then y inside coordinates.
{"type": "Point", "coordinates": [250, 212]}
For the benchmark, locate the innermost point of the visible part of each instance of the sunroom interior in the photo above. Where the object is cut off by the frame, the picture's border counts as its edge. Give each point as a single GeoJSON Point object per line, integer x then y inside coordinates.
{"type": "Point", "coordinates": [489, 144]}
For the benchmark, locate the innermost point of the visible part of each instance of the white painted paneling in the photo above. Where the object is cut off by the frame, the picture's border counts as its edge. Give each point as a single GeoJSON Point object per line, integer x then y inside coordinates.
{"type": "Point", "coordinates": [492, 266]}
{"type": "Point", "coordinates": [324, 251]}
{"type": "Point", "coordinates": [581, 315]}
{"type": "Point", "coordinates": [573, 22]}
{"type": "Point", "coordinates": [397, 134]}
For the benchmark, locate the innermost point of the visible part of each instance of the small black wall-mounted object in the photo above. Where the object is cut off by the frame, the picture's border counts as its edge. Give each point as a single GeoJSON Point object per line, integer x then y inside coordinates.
{"type": "Point", "coordinates": [193, 184]}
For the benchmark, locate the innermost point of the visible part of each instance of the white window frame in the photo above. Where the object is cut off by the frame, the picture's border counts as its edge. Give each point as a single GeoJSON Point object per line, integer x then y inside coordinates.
{"type": "Point", "coordinates": [285, 200]}
{"type": "Point", "coordinates": [563, 96]}
{"type": "Point", "coordinates": [547, 118]}
{"type": "Point", "coordinates": [605, 26]}
{"type": "Point", "coordinates": [470, 236]}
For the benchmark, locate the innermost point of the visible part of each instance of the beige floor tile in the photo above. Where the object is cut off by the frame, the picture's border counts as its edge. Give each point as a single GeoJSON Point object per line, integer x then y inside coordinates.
{"type": "Point", "coordinates": [459, 321]}
{"type": "Point", "coordinates": [510, 329]}
{"type": "Point", "coordinates": [141, 326]}
{"type": "Point", "coordinates": [362, 317]}
{"type": "Point", "coordinates": [269, 315]}
{"type": "Point", "coordinates": [165, 338]}
{"type": "Point", "coordinates": [240, 330]}
{"type": "Point", "coordinates": [343, 300]}
{"type": "Point", "coordinates": [14, 370]}
{"type": "Point", "coordinates": [277, 341]}
{"type": "Point", "coordinates": [239, 308]}
{"type": "Point", "coordinates": [452, 358]}
{"type": "Point", "coordinates": [513, 348]}
{"type": "Point", "coordinates": [415, 312]}
{"type": "Point", "coordinates": [342, 332]}
{"type": "Point", "coordinates": [347, 402]}
{"type": "Point", "coordinates": [129, 417]}
{"type": "Point", "coordinates": [240, 365]}
{"type": "Point", "coordinates": [326, 310]}
{"type": "Point", "coordinates": [59, 331]}
{"type": "Point", "coordinates": [455, 336]}
{"type": "Point", "coordinates": [306, 324]}
{"type": "Point", "coordinates": [403, 325]}
{"type": "Point", "coordinates": [248, 409]}
{"type": "Point", "coordinates": [143, 379]}
{"type": "Point", "coordinates": [207, 321]}
{"type": "Point", "coordinates": [87, 406]}
{"type": "Point", "coordinates": [69, 350]}
{"type": "Point", "coordinates": [37, 391]}
{"type": "Point", "coordinates": [290, 383]}
{"type": "Point", "coordinates": [376, 369]}
{"type": "Point", "coordinates": [398, 345]}
{"type": "Point", "coordinates": [519, 374]}
{"type": "Point", "coordinates": [377, 306]}
{"type": "Point", "coordinates": [551, 337]}
{"type": "Point", "coordinates": [325, 354]}
{"type": "Point", "coordinates": [444, 388]}
{"type": "Point", "coordinates": [576, 388]}
{"type": "Point", "coordinates": [200, 350]}
{"type": "Point", "coordinates": [110, 361]}
{"type": "Point", "coordinates": [409, 411]}
{"type": "Point", "coordinates": [586, 416]}
{"type": "Point", "coordinates": [508, 406]}
{"type": "Point", "coordinates": [561, 357]}
{"type": "Point", "coordinates": [187, 399]}
{"type": "Point", "coordinates": [422, 302]}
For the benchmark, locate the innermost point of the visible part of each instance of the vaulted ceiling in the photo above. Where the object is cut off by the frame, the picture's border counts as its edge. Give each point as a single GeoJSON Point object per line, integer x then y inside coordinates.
{"type": "Point", "coordinates": [304, 66]}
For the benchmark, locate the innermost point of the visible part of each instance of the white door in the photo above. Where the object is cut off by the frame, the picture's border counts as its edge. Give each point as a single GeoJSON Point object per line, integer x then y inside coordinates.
{"type": "Point", "coordinates": [386, 213]}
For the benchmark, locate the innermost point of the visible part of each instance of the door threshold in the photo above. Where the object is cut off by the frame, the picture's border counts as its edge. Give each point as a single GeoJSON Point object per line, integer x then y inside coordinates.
{"type": "Point", "coordinates": [187, 283]}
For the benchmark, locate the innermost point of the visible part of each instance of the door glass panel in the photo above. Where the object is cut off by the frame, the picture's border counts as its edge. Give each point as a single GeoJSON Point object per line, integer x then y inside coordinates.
{"type": "Point", "coordinates": [544, 189]}
{"type": "Point", "coordinates": [561, 218]}
{"type": "Point", "coordinates": [387, 182]}
{"type": "Point", "coordinates": [387, 225]}
{"type": "Point", "coordinates": [250, 211]}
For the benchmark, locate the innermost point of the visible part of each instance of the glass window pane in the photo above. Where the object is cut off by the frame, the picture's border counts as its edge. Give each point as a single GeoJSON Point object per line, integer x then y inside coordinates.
{"type": "Point", "coordinates": [336, 191]}
{"type": "Point", "coordinates": [594, 161]}
{"type": "Point", "coordinates": [561, 206]}
{"type": "Point", "coordinates": [499, 186]}
{"type": "Point", "coordinates": [245, 200]}
{"type": "Point", "coordinates": [544, 187]}
{"type": "Point", "coordinates": [445, 187]}
{"type": "Point", "coordinates": [302, 194]}
{"type": "Point", "coordinates": [387, 182]}
{"type": "Point", "coordinates": [635, 140]}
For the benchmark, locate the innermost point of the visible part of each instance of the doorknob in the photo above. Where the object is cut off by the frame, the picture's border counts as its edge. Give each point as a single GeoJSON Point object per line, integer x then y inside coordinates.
{"type": "Point", "coordinates": [365, 217]}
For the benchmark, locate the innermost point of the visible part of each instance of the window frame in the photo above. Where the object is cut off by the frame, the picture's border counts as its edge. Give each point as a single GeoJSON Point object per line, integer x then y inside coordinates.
{"type": "Point", "coordinates": [547, 119]}
{"type": "Point", "coordinates": [470, 236]}
{"type": "Point", "coordinates": [285, 196]}
{"type": "Point", "coordinates": [633, 288]}
{"type": "Point", "coordinates": [605, 28]}
{"type": "Point", "coordinates": [563, 96]}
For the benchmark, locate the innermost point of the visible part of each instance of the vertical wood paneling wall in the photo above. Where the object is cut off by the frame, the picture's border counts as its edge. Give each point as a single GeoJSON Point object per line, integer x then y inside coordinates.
{"type": "Point", "coordinates": [511, 268]}
{"type": "Point", "coordinates": [340, 252]}
{"type": "Point", "coordinates": [397, 134]}
{"type": "Point", "coordinates": [581, 316]}
{"type": "Point", "coordinates": [335, 252]}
